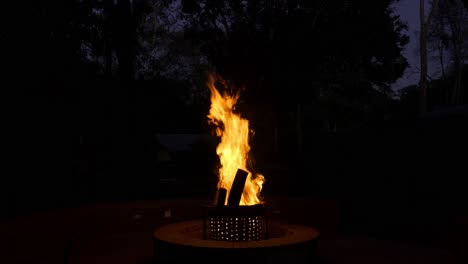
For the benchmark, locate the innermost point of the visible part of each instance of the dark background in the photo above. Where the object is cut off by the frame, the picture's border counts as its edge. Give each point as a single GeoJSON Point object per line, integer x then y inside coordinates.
{"type": "Point", "coordinates": [94, 82]}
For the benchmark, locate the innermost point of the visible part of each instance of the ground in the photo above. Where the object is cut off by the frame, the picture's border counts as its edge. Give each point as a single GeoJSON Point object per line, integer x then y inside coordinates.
{"type": "Point", "coordinates": [122, 233]}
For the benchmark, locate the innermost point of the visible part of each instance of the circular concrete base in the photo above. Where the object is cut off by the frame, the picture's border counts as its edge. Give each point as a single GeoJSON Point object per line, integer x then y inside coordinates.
{"type": "Point", "coordinates": [184, 241]}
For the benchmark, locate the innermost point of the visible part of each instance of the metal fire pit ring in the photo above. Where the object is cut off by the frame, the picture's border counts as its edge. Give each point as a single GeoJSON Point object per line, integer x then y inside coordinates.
{"type": "Point", "coordinates": [183, 241]}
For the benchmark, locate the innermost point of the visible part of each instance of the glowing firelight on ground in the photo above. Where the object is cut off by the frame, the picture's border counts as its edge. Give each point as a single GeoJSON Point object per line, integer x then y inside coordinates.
{"type": "Point", "coordinates": [233, 148]}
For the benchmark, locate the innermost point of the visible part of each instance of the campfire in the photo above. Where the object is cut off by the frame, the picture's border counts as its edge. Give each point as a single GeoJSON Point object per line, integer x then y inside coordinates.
{"type": "Point", "coordinates": [238, 213]}
{"type": "Point", "coordinates": [235, 223]}
{"type": "Point", "coordinates": [233, 150]}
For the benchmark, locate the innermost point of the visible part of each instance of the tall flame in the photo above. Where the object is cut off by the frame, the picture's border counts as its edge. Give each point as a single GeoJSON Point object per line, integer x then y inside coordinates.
{"type": "Point", "coordinates": [233, 148]}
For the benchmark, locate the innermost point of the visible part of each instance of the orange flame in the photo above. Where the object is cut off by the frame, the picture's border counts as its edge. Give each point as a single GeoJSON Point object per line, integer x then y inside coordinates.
{"type": "Point", "coordinates": [234, 147]}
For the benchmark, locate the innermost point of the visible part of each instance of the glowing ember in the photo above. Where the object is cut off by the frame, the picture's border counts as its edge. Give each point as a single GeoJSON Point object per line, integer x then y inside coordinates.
{"type": "Point", "coordinates": [234, 147]}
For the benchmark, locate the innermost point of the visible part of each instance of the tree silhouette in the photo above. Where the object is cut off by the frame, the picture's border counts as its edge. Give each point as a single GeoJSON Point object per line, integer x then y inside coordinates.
{"type": "Point", "coordinates": [336, 49]}
{"type": "Point", "coordinates": [424, 21]}
{"type": "Point", "coordinates": [448, 33]}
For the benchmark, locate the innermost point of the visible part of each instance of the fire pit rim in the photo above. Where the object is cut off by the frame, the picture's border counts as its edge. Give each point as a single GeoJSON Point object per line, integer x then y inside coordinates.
{"type": "Point", "coordinates": [173, 234]}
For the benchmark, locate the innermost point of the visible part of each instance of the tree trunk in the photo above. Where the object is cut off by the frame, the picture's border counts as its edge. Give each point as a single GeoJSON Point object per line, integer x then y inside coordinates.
{"type": "Point", "coordinates": [124, 38]}
{"type": "Point", "coordinates": [423, 57]}
{"type": "Point", "coordinates": [441, 60]}
{"type": "Point", "coordinates": [456, 95]}
{"type": "Point", "coordinates": [276, 147]}
{"type": "Point", "coordinates": [444, 76]}
{"type": "Point", "coordinates": [299, 128]}
{"type": "Point", "coordinates": [108, 51]}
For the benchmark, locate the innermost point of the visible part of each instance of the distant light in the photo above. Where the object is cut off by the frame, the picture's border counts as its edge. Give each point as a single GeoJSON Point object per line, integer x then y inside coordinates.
{"type": "Point", "coordinates": [167, 213]}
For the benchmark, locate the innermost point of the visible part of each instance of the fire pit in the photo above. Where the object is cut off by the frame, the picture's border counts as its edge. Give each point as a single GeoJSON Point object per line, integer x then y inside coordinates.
{"type": "Point", "coordinates": [241, 223]}
{"type": "Point", "coordinates": [236, 227]}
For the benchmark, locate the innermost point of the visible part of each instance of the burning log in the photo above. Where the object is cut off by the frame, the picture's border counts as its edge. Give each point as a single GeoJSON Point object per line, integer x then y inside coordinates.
{"type": "Point", "coordinates": [222, 192]}
{"type": "Point", "coordinates": [237, 187]}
